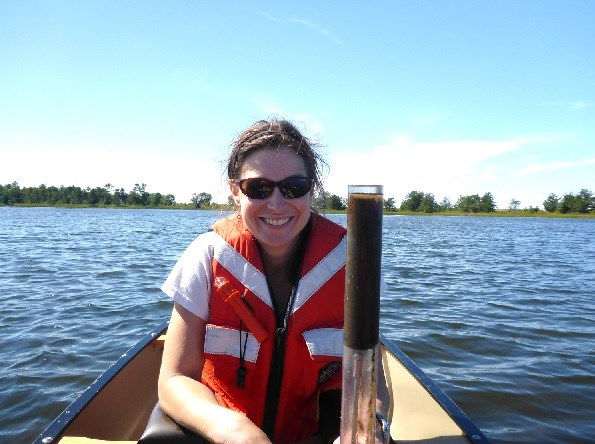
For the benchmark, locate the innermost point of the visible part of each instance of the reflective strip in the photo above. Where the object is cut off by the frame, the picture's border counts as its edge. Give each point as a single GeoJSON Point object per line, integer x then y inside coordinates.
{"type": "Point", "coordinates": [226, 341]}
{"type": "Point", "coordinates": [241, 269]}
{"type": "Point", "coordinates": [320, 274]}
{"type": "Point", "coordinates": [325, 342]}
{"type": "Point", "coordinates": [256, 281]}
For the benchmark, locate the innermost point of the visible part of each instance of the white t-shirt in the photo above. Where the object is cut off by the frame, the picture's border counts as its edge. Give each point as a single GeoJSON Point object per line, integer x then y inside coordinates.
{"type": "Point", "coordinates": [189, 283]}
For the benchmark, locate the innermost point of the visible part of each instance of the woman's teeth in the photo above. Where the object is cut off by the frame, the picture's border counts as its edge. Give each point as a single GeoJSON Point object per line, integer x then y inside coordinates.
{"type": "Point", "coordinates": [277, 221]}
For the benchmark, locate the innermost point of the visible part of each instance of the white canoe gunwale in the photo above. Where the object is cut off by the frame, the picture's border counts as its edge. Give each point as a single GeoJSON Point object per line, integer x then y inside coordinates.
{"type": "Point", "coordinates": [133, 394]}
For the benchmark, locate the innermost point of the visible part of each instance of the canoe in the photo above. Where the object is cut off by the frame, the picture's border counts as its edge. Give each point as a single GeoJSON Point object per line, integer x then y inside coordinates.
{"type": "Point", "coordinates": [116, 407]}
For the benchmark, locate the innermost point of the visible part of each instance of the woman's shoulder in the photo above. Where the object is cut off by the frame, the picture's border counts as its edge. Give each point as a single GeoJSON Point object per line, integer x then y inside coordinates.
{"type": "Point", "coordinates": [325, 224]}
{"type": "Point", "coordinates": [201, 245]}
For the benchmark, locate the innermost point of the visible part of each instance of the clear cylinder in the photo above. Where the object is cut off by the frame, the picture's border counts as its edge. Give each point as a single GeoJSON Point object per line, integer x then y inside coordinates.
{"type": "Point", "coordinates": [362, 313]}
{"type": "Point", "coordinates": [358, 403]}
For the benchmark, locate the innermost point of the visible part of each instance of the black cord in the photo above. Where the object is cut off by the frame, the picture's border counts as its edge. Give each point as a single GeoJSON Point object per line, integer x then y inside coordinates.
{"type": "Point", "coordinates": [241, 371]}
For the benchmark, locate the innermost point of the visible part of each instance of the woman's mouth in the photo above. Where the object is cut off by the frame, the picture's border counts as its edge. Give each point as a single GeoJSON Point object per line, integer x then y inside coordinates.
{"type": "Point", "coordinates": [276, 222]}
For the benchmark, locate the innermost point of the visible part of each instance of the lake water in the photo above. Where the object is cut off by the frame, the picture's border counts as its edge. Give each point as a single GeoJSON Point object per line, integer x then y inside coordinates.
{"type": "Point", "coordinates": [498, 311]}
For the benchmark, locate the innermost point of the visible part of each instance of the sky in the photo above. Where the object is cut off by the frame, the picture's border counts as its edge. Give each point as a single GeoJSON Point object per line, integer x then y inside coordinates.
{"type": "Point", "coordinates": [449, 98]}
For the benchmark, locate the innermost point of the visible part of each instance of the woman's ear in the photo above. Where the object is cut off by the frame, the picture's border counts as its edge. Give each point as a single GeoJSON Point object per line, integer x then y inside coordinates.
{"type": "Point", "coordinates": [235, 192]}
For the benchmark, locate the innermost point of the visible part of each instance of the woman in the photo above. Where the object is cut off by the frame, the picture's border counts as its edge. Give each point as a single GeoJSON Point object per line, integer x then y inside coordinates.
{"type": "Point", "coordinates": [221, 376]}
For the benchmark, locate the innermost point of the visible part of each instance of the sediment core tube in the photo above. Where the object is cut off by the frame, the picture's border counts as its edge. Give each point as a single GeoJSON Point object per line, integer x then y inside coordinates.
{"type": "Point", "coordinates": [362, 313]}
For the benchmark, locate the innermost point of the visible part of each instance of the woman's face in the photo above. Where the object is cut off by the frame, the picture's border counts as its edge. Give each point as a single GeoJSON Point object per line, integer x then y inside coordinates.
{"type": "Point", "coordinates": [275, 221]}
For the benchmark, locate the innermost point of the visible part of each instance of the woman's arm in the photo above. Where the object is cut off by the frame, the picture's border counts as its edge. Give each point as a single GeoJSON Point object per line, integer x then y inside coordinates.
{"type": "Point", "coordinates": [183, 397]}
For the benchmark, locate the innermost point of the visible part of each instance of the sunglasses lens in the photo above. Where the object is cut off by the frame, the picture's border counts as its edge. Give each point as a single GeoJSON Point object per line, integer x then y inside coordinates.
{"type": "Point", "coordinates": [257, 188]}
{"type": "Point", "coordinates": [295, 187]}
{"type": "Point", "coordinates": [261, 188]}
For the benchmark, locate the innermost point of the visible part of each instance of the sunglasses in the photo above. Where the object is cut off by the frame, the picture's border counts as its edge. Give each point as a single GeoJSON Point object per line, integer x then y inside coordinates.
{"type": "Point", "coordinates": [261, 188]}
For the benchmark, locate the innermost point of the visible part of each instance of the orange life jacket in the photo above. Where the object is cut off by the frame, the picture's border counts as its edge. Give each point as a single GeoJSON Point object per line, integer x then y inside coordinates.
{"type": "Point", "coordinates": [286, 371]}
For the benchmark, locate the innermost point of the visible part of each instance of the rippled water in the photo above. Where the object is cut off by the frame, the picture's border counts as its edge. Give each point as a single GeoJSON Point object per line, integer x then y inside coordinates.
{"type": "Point", "coordinates": [497, 311]}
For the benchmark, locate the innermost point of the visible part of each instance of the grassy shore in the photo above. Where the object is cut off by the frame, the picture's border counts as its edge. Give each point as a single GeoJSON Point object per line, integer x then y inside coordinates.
{"type": "Point", "coordinates": [498, 213]}
{"type": "Point", "coordinates": [219, 207]}
{"type": "Point", "coordinates": [225, 207]}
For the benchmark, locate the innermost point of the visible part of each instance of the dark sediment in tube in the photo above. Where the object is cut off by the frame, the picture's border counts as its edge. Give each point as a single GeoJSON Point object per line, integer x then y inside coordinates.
{"type": "Point", "coordinates": [364, 251]}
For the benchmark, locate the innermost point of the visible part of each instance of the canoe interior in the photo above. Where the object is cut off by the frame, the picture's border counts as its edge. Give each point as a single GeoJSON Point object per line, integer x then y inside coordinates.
{"type": "Point", "coordinates": [420, 411]}
{"type": "Point", "coordinates": [117, 405]}
{"type": "Point", "coordinates": [122, 412]}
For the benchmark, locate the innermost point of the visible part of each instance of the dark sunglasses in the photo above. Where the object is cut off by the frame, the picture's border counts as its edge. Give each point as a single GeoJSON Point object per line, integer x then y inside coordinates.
{"type": "Point", "coordinates": [261, 188]}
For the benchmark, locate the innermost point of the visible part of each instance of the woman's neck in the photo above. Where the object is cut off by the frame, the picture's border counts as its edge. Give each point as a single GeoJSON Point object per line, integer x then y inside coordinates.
{"type": "Point", "coordinates": [277, 258]}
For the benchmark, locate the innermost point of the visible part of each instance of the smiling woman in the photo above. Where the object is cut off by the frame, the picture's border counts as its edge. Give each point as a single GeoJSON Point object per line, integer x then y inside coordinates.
{"type": "Point", "coordinates": [219, 377]}
{"type": "Point", "coordinates": [274, 219]}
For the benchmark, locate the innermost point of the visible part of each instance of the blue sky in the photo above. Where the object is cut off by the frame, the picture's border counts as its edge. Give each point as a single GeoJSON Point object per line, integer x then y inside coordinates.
{"type": "Point", "coordinates": [449, 98]}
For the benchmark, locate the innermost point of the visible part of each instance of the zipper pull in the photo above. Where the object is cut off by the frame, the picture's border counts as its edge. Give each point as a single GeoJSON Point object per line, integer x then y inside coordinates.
{"type": "Point", "coordinates": [241, 376]}
{"type": "Point", "coordinates": [280, 335]}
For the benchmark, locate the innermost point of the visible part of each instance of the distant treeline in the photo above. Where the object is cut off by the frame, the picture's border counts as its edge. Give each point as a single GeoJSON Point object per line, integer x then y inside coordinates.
{"type": "Point", "coordinates": [106, 196]}
{"type": "Point", "coordinates": [420, 202]}
{"type": "Point", "coordinates": [416, 201]}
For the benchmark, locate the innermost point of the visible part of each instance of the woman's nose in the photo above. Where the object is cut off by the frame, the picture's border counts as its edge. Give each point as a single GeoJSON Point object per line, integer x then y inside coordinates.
{"type": "Point", "coordinates": [276, 201]}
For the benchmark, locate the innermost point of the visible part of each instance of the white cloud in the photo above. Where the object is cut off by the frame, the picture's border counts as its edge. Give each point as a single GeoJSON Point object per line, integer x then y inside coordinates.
{"type": "Point", "coordinates": [581, 105]}
{"type": "Point", "coordinates": [304, 22]}
{"type": "Point", "coordinates": [537, 168]}
{"type": "Point", "coordinates": [179, 174]}
{"type": "Point", "coordinates": [269, 107]}
{"type": "Point", "coordinates": [447, 168]}
{"type": "Point", "coordinates": [309, 124]}
{"type": "Point", "coordinates": [567, 104]}
{"type": "Point", "coordinates": [309, 24]}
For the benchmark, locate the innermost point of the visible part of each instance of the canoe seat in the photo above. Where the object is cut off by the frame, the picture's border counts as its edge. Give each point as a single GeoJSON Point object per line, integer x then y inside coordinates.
{"type": "Point", "coordinates": [161, 429]}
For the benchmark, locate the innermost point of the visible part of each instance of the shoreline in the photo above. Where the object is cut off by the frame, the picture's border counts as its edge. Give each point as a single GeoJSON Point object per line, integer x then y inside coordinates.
{"type": "Point", "coordinates": [222, 207]}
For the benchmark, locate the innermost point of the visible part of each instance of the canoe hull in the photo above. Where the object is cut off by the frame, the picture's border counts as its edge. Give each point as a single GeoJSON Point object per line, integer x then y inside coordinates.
{"type": "Point", "coordinates": [116, 407]}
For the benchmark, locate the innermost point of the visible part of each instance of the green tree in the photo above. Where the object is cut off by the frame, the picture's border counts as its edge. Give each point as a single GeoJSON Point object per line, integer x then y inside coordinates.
{"type": "Point", "coordinates": [155, 199]}
{"type": "Point", "coordinates": [566, 203]}
{"type": "Point", "coordinates": [30, 195]}
{"type": "Point", "coordinates": [551, 203]}
{"type": "Point", "coordinates": [469, 204]}
{"type": "Point", "coordinates": [93, 196]}
{"type": "Point", "coordinates": [337, 203]}
{"type": "Point", "coordinates": [389, 204]}
{"type": "Point", "coordinates": [169, 199]}
{"type": "Point", "coordinates": [105, 195]}
{"type": "Point", "coordinates": [13, 194]}
{"type": "Point", "coordinates": [201, 200]}
{"type": "Point", "coordinates": [583, 202]}
{"type": "Point", "coordinates": [514, 204]}
{"type": "Point", "coordinates": [142, 194]}
{"type": "Point", "coordinates": [586, 201]}
{"type": "Point", "coordinates": [138, 195]}
{"type": "Point", "coordinates": [41, 193]}
{"type": "Point", "coordinates": [412, 201]}
{"type": "Point", "coordinates": [324, 200]}
{"type": "Point", "coordinates": [54, 195]}
{"type": "Point", "coordinates": [321, 199]}
{"type": "Point", "coordinates": [72, 195]}
{"type": "Point", "coordinates": [427, 203]}
{"type": "Point", "coordinates": [120, 197]}
{"type": "Point", "coordinates": [476, 204]}
{"type": "Point", "coordinates": [487, 203]}
{"type": "Point", "coordinates": [419, 201]}
{"type": "Point", "coordinates": [444, 205]}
